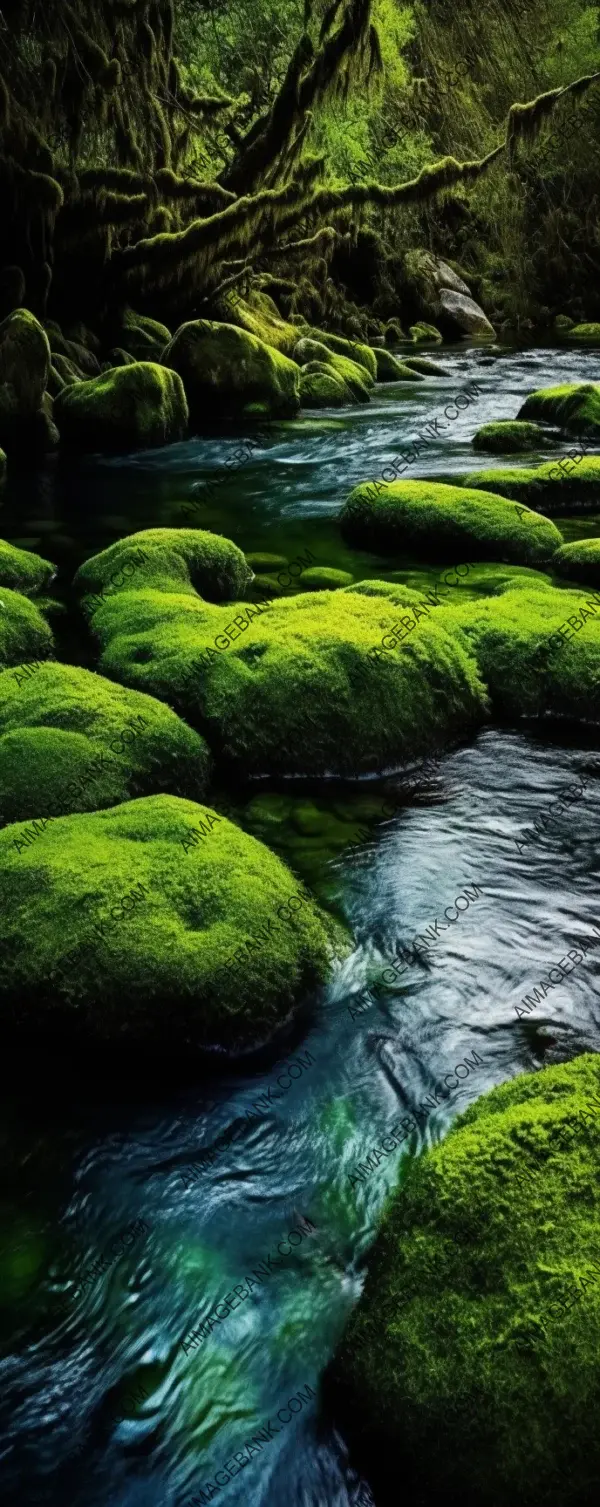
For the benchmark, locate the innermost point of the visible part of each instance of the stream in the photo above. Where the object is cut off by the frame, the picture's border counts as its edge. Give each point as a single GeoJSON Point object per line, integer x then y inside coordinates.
{"type": "Point", "coordinates": [101, 1406]}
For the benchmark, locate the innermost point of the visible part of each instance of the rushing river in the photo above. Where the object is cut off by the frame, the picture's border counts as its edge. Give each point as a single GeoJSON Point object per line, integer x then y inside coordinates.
{"type": "Point", "coordinates": [86, 1157]}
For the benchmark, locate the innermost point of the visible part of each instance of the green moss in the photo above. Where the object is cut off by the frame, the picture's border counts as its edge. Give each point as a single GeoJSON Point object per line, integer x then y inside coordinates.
{"type": "Point", "coordinates": [457, 1360]}
{"type": "Point", "coordinates": [586, 332]}
{"type": "Point", "coordinates": [259, 315]}
{"type": "Point", "coordinates": [353, 350]}
{"type": "Point", "coordinates": [574, 407]}
{"type": "Point", "coordinates": [420, 332]}
{"type": "Point", "coordinates": [293, 689]}
{"type": "Point", "coordinates": [262, 560]}
{"type": "Point", "coordinates": [166, 559]}
{"type": "Point", "coordinates": [145, 338]}
{"type": "Point", "coordinates": [126, 408]}
{"type": "Point", "coordinates": [389, 369]}
{"type": "Point", "coordinates": [557, 485]}
{"type": "Point", "coordinates": [73, 741]}
{"type": "Point", "coordinates": [311, 355]}
{"type": "Point", "coordinates": [226, 371]}
{"type": "Point", "coordinates": [530, 669]}
{"type": "Point", "coordinates": [425, 367]}
{"type": "Point", "coordinates": [156, 971]}
{"type": "Point", "coordinates": [24, 363]}
{"type": "Point", "coordinates": [579, 561]}
{"type": "Point", "coordinates": [321, 387]}
{"type": "Point", "coordinates": [430, 518]}
{"type": "Point", "coordinates": [324, 578]}
{"type": "Point", "coordinates": [24, 635]}
{"type": "Point", "coordinates": [24, 571]}
{"type": "Point", "coordinates": [509, 437]}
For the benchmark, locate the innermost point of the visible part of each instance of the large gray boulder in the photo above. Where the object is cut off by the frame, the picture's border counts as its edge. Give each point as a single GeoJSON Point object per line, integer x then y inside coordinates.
{"type": "Point", "coordinates": [462, 315]}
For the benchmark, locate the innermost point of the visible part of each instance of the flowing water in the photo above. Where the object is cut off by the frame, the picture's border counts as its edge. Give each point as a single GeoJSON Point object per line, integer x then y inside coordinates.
{"type": "Point", "coordinates": [101, 1406]}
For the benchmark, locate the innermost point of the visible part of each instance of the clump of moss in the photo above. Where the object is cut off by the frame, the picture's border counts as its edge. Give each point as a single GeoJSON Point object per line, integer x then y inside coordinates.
{"type": "Point", "coordinates": [262, 560]}
{"type": "Point", "coordinates": [184, 560]}
{"type": "Point", "coordinates": [125, 408]}
{"type": "Point", "coordinates": [579, 561]}
{"type": "Point", "coordinates": [145, 338]}
{"type": "Point", "coordinates": [389, 369]}
{"type": "Point", "coordinates": [259, 315]}
{"type": "Point", "coordinates": [556, 485]}
{"type": "Point", "coordinates": [420, 333]}
{"type": "Point", "coordinates": [509, 437]}
{"type": "Point", "coordinates": [312, 354]}
{"type": "Point", "coordinates": [459, 1359]}
{"type": "Point", "coordinates": [72, 741]}
{"type": "Point", "coordinates": [230, 373]}
{"type": "Point", "coordinates": [589, 332]}
{"type": "Point", "coordinates": [324, 578]}
{"type": "Point", "coordinates": [300, 686]}
{"type": "Point", "coordinates": [574, 407]}
{"type": "Point", "coordinates": [353, 350]}
{"type": "Point", "coordinates": [23, 570]}
{"type": "Point", "coordinates": [431, 518]}
{"type": "Point", "coordinates": [24, 633]}
{"type": "Point", "coordinates": [321, 387]}
{"type": "Point", "coordinates": [119, 928]}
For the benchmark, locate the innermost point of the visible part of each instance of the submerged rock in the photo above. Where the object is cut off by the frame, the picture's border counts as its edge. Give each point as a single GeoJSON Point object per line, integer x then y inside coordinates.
{"type": "Point", "coordinates": [558, 486]}
{"type": "Point", "coordinates": [509, 437]}
{"type": "Point", "coordinates": [389, 369]}
{"type": "Point", "coordinates": [126, 408]}
{"type": "Point", "coordinates": [185, 560]}
{"type": "Point", "coordinates": [431, 518]}
{"type": "Point", "coordinates": [155, 924]}
{"type": "Point", "coordinates": [420, 333]}
{"type": "Point", "coordinates": [23, 570]}
{"type": "Point", "coordinates": [574, 407]}
{"type": "Point", "coordinates": [229, 373]}
{"type": "Point", "coordinates": [24, 633]}
{"type": "Point", "coordinates": [579, 561]}
{"type": "Point", "coordinates": [72, 741]}
{"type": "Point", "coordinates": [469, 1367]}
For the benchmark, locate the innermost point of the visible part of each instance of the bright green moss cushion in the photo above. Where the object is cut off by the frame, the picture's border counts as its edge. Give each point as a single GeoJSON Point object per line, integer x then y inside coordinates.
{"type": "Point", "coordinates": [167, 559]}
{"type": "Point", "coordinates": [293, 688]}
{"type": "Point", "coordinates": [24, 571]}
{"type": "Point", "coordinates": [458, 1372]}
{"type": "Point", "coordinates": [585, 332]}
{"type": "Point", "coordinates": [314, 354]}
{"type": "Point", "coordinates": [555, 485]}
{"type": "Point", "coordinates": [354, 350]}
{"type": "Point", "coordinates": [227, 371]}
{"type": "Point", "coordinates": [323, 388]}
{"type": "Point", "coordinates": [575, 407]}
{"type": "Point", "coordinates": [529, 667]}
{"type": "Point", "coordinates": [126, 408]}
{"type": "Point", "coordinates": [445, 522]}
{"type": "Point", "coordinates": [389, 369]}
{"type": "Point", "coordinates": [24, 633]}
{"type": "Point", "coordinates": [420, 332]}
{"type": "Point", "coordinates": [324, 578]}
{"type": "Point", "coordinates": [73, 741]}
{"type": "Point", "coordinates": [154, 970]}
{"type": "Point", "coordinates": [509, 437]}
{"type": "Point", "coordinates": [579, 561]}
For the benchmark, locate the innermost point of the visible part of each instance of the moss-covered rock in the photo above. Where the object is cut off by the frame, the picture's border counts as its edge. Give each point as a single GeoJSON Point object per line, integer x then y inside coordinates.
{"type": "Point", "coordinates": [324, 578]}
{"type": "Point", "coordinates": [574, 407]}
{"type": "Point", "coordinates": [67, 369]}
{"type": "Point", "coordinates": [431, 519]}
{"type": "Point", "coordinates": [579, 561]}
{"type": "Point", "coordinates": [470, 1365]}
{"type": "Point", "coordinates": [24, 633]}
{"type": "Point", "coordinates": [509, 437]}
{"type": "Point", "coordinates": [72, 741]}
{"type": "Point", "coordinates": [23, 570]}
{"type": "Point", "coordinates": [302, 685]}
{"type": "Point", "coordinates": [121, 927]}
{"type": "Point", "coordinates": [55, 382]}
{"type": "Point", "coordinates": [425, 367]}
{"type": "Point", "coordinates": [557, 485]}
{"type": "Point", "coordinates": [126, 408]}
{"type": "Point", "coordinates": [259, 315]}
{"type": "Point", "coordinates": [537, 647]}
{"type": "Point", "coordinates": [353, 350]}
{"type": "Point", "coordinates": [261, 559]}
{"type": "Point", "coordinates": [145, 338]}
{"type": "Point", "coordinates": [311, 353]}
{"type": "Point", "coordinates": [227, 372]}
{"type": "Point", "coordinates": [394, 334]}
{"type": "Point", "coordinates": [420, 333]}
{"type": "Point", "coordinates": [389, 369]}
{"type": "Point", "coordinates": [589, 332]}
{"type": "Point", "coordinates": [182, 560]}
{"type": "Point", "coordinates": [24, 371]}
{"type": "Point", "coordinates": [321, 387]}
{"type": "Point", "coordinates": [563, 322]}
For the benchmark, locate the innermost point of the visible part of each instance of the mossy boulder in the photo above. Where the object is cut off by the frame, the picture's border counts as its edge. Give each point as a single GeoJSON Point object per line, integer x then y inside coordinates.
{"type": "Point", "coordinates": [421, 333]}
{"type": "Point", "coordinates": [228, 372]}
{"type": "Point", "coordinates": [145, 338]}
{"type": "Point", "coordinates": [430, 518]}
{"type": "Point", "coordinates": [470, 1366]}
{"type": "Point", "coordinates": [563, 322]}
{"type": "Point", "coordinates": [166, 559]}
{"type": "Point", "coordinates": [126, 408]}
{"type": "Point", "coordinates": [23, 570]}
{"type": "Point", "coordinates": [24, 633]}
{"type": "Point", "coordinates": [353, 350]}
{"type": "Point", "coordinates": [24, 371]}
{"type": "Point", "coordinates": [324, 578]}
{"type": "Point", "coordinates": [509, 437]}
{"type": "Point", "coordinates": [320, 387]}
{"type": "Point", "coordinates": [298, 686]}
{"type": "Point", "coordinates": [259, 315]}
{"type": "Point", "coordinates": [72, 741]}
{"type": "Point", "coordinates": [537, 647]}
{"type": "Point", "coordinates": [309, 353]}
{"type": "Point", "coordinates": [556, 485]}
{"type": "Point", "coordinates": [425, 367]}
{"type": "Point", "coordinates": [589, 332]}
{"type": "Point", "coordinates": [573, 407]}
{"type": "Point", "coordinates": [119, 927]}
{"type": "Point", "coordinates": [67, 369]}
{"type": "Point", "coordinates": [389, 369]}
{"type": "Point", "coordinates": [579, 561]}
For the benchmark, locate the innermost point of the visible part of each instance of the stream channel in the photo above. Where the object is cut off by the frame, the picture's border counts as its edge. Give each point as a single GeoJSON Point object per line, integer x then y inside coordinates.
{"type": "Point", "coordinates": [100, 1406]}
